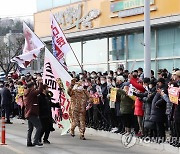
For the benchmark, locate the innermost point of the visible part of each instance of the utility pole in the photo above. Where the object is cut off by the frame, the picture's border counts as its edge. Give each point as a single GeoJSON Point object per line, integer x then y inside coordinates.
{"type": "Point", "coordinates": [147, 39]}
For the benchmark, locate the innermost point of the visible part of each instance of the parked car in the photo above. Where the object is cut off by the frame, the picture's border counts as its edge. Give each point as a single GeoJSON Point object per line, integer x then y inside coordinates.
{"type": "Point", "coordinates": [2, 76]}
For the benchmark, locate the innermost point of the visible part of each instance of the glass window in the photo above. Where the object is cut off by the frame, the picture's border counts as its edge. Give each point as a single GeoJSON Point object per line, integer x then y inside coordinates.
{"type": "Point", "coordinates": [73, 1]}
{"type": "Point", "coordinates": [135, 65]}
{"type": "Point", "coordinates": [153, 44]}
{"type": "Point", "coordinates": [114, 66]}
{"type": "Point", "coordinates": [153, 66]}
{"type": "Point", "coordinates": [177, 42]}
{"type": "Point", "coordinates": [77, 69]}
{"type": "Point", "coordinates": [70, 58]}
{"type": "Point", "coordinates": [165, 41]}
{"type": "Point", "coordinates": [177, 63]}
{"type": "Point", "coordinates": [60, 2]}
{"type": "Point", "coordinates": [98, 68]}
{"type": "Point", "coordinates": [168, 64]}
{"type": "Point", "coordinates": [43, 6]}
{"type": "Point", "coordinates": [135, 46]}
{"type": "Point", "coordinates": [95, 51]}
{"type": "Point", "coordinates": [117, 48]}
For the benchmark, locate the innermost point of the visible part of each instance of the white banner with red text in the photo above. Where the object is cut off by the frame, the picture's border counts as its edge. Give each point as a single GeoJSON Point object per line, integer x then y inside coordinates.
{"type": "Point", "coordinates": [53, 70]}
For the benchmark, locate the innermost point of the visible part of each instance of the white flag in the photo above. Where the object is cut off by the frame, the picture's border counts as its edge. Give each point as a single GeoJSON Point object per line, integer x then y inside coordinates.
{"type": "Point", "coordinates": [60, 45]}
{"type": "Point", "coordinates": [32, 48]}
{"type": "Point", "coordinates": [52, 71]}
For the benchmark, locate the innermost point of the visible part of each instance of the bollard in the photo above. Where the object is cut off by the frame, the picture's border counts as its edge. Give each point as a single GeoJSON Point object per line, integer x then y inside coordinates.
{"type": "Point", "coordinates": [3, 137]}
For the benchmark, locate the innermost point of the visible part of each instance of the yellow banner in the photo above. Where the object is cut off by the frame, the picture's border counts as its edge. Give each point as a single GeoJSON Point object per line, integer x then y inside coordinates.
{"type": "Point", "coordinates": [113, 94]}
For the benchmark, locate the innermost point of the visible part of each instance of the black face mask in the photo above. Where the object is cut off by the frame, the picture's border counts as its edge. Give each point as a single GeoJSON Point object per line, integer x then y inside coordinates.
{"type": "Point", "coordinates": [134, 76]}
{"type": "Point", "coordinates": [85, 87]}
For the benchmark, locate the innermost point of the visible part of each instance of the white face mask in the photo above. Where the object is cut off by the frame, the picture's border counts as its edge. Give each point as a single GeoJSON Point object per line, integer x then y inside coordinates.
{"type": "Point", "coordinates": [93, 75]}
{"type": "Point", "coordinates": [150, 86]}
{"type": "Point", "coordinates": [81, 76]}
{"type": "Point", "coordinates": [102, 82]}
{"type": "Point", "coordinates": [113, 83]}
{"type": "Point", "coordinates": [86, 84]}
{"type": "Point", "coordinates": [145, 87]}
{"type": "Point", "coordinates": [80, 87]}
{"type": "Point", "coordinates": [109, 83]}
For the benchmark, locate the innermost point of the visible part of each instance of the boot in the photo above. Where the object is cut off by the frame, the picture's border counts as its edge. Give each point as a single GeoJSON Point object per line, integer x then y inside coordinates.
{"type": "Point", "coordinates": [82, 137]}
{"type": "Point", "coordinates": [72, 133]}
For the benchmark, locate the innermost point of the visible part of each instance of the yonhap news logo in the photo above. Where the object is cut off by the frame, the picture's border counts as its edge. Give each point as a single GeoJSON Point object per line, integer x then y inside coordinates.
{"type": "Point", "coordinates": [129, 140]}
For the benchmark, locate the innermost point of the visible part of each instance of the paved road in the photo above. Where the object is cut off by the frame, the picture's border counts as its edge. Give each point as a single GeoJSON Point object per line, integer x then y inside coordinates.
{"type": "Point", "coordinates": [16, 144]}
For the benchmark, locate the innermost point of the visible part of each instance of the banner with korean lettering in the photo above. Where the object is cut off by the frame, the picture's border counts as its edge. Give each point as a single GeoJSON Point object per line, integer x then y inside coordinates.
{"type": "Point", "coordinates": [174, 94]}
{"type": "Point", "coordinates": [60, 45]}
{"type": "Point", "coordinates": [54, 71]}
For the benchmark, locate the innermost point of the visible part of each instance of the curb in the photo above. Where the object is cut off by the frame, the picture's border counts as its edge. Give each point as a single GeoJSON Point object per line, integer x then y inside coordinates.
{"type": "Point", "coordinates": [162, 147]}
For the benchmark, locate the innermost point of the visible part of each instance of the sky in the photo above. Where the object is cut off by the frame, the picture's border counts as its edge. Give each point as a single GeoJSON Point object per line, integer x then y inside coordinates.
{"type": "Point", "coordinates": [17, 8]}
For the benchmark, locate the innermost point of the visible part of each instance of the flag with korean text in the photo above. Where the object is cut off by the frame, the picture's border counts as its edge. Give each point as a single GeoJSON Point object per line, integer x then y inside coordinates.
{"type": "Point", "coordinates": [60, 46]}
{"type": "Point", "coordinates": [58, 80]}
{"type": "Point", "coordinates": [32, 48]}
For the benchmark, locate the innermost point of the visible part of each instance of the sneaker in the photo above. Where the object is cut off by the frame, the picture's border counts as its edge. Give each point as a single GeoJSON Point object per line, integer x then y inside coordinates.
{"type": "Point", "coordinates": [46, 142]}
{"type": "Point", "coordinates": [139, 134]}
{"type": "Point", "coordinates": [38, 144]}
{"type": "Point", "coordinates": [30, 145]}
{"type": "Point", "coordinates": [8, 122]}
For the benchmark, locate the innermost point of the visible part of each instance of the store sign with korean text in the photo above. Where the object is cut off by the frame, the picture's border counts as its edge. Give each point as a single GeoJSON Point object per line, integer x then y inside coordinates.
{"type": "Point", "coordinates": [132, 12]}
{"type": "Point", "coordinates": [73, 17]}
{"type": "Point", "coordinates": [128, 4]}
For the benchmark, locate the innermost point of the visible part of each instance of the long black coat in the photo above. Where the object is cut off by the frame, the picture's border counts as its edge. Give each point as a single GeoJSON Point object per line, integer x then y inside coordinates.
{"type": "Point", "coordinates": [158, 109]}
{"type": "Point", "coordinates": [104, 90]}
{"type": "Point", "coordinates": [45, 105]}
{"type": "Point", "coordinates": [177, 112]}
{"type": "Point", "coordinates": [6, 97]}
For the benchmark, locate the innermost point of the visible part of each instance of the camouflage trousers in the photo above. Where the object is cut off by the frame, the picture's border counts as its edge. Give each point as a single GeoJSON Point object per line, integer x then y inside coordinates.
{"type": "Point", "coordinates": [78, 119]}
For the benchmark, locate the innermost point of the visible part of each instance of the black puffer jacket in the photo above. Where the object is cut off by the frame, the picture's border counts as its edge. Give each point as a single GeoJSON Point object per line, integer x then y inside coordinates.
{"type": "Point", "coordinates": [147, 105]}
{"type": "Point", "coordinates": [158, 109]}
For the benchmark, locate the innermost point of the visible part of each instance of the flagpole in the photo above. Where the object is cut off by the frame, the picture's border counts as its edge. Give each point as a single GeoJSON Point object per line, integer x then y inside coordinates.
{"type": "Point", "coordinates": [69, 44]}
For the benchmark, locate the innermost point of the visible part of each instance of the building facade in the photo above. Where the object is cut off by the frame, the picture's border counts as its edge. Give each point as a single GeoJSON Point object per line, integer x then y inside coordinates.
{"type": "Point", "coordinates": [107, 33]}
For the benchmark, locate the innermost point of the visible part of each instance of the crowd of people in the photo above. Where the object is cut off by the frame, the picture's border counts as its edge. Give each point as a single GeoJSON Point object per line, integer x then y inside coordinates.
{"type": "Point", "coordinates": [147, 111]}
{"type": "Point", "coordinates": [28, 98]}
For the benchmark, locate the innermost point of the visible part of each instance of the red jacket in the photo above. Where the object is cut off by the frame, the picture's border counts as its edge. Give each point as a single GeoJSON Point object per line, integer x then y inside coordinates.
{"type": "Point", "coordinates": [31, 101]}
{"type": "Point", "coordinates": [138, 110]}
{"type": "Point", "coordinates": [138, 86]}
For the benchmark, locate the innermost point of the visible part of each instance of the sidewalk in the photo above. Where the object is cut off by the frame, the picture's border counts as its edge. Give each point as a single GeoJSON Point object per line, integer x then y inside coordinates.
{"type": "Point", "coordinates": [89, 131]}
{"type": "Point", "coordinates": [161, 147]}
